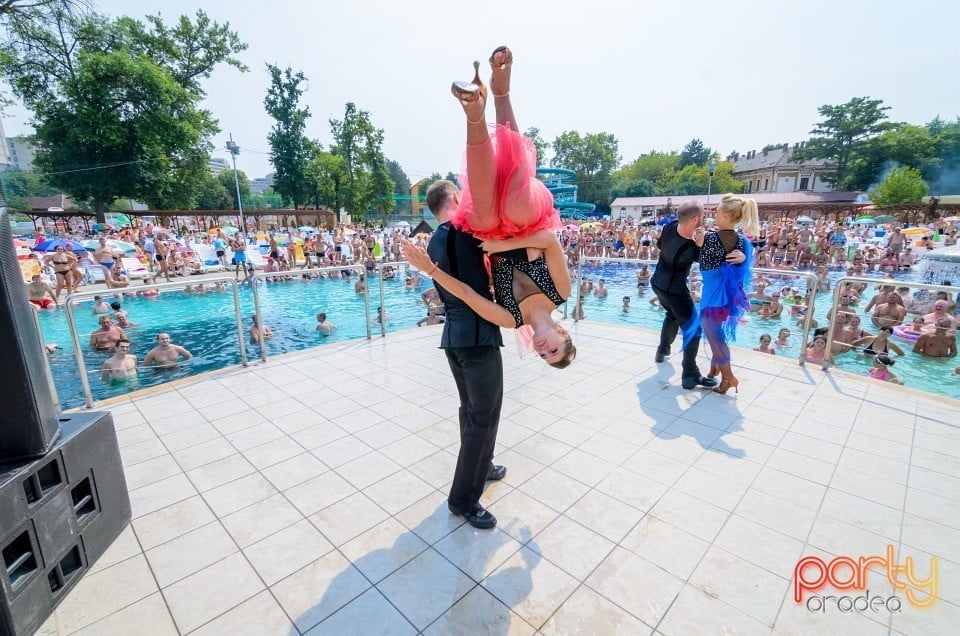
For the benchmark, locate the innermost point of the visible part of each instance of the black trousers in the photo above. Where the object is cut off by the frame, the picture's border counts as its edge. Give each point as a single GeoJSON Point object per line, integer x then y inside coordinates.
{"type": "Point", "coordinates": [478, 373]}
{"type": "Point", "coordinates": [679, 309]}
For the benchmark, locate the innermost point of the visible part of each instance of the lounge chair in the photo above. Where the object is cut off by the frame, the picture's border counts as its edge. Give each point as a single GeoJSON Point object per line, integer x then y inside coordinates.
{"type": "Point", "coordinates": [208, 256]}
{"type": "Point", "coordinates": [135, 269]}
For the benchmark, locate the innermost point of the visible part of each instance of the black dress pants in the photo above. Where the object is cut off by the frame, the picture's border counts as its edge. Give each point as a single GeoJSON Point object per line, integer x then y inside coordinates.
{"type": "Point", "coordinates": [478, 374]}
{"type": "Point", "coordinates": [679, 309]}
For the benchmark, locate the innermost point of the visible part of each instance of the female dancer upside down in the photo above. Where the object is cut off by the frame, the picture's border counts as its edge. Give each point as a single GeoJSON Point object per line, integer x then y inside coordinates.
{"type": "Point", "coordinates": [506, 205]}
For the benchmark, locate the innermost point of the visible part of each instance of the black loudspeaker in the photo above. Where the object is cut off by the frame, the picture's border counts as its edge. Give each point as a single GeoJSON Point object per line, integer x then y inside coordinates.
{"type": "Point", "coordinates": [58, 515]}
{"type": "Point", "coordinates": [28, 410]}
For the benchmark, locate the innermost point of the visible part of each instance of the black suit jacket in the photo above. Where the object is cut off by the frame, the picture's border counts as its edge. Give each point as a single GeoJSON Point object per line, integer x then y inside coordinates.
{"type": "Point", "coordinates": [459, 254]}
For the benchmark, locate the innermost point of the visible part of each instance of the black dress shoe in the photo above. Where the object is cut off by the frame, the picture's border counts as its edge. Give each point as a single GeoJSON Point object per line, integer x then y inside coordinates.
{"type": "Point", "coordinates": [692, 383]}
{"type": "Point", "coordinates": [496, 473]}
{"type": "Point", "coordinates": [478, 516]}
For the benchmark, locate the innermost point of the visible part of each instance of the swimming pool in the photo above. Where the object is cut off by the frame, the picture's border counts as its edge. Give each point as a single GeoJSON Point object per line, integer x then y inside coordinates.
{"type": "Point", "coordinates": [204, 324]}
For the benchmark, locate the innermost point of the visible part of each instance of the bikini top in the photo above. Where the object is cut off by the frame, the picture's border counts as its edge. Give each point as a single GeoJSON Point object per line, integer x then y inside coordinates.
{"type": "Point", "coordinates": [870, 350]}
{"type": "Point", "coordinates": [516, 279]}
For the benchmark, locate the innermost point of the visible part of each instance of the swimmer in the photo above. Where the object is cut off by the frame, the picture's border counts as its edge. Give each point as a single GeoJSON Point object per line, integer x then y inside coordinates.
{"type": "Point", "coordinates": [220, 286]}
{"type": "Point", "coordinates": [881, 369]}
{"type": "Point", "coordinates": [430, 319]}
{"type": "Point", "coordinates": [817, 351]}
{"type": "Point", "coordinates": [783, 339]}
{"type": "Point", "coordinates": [578, 310]}
{"type": "Point", "coordinates": [940, 344]}
{"type": "Point", "coordinates": [119, 315]}
{"type": "Point", "coordinates": [381, 316]}
{"type": "Point", "coordinates": [601, 290]}
{"type": "Point", "coordinates": [165, 354]}
{"type": "Point", "coordinates": [121, 366]}
{"type": "Point", "coordinates": [764, 346]}
{"type": "Point", "coordinates": [626, 303]}
{"type": "Point", "coordinates": [100, 306]}
{"type": "Point", "coordinates": [259, 333]}
{"type": "Point", "coordinates": [107, 336]}
{"type": "Point", "coordinates": [324, 326]}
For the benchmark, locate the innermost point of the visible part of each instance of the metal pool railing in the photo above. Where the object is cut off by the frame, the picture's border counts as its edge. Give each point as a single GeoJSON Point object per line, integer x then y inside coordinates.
{"type": "Point", "coordinates": [838, 287]}
{"type": "Point", "coordinates": [75, 335]}
{"type": "Point", "coordinates": [299, 272]}
{"type": "Point", "coordinates": [809, 276]}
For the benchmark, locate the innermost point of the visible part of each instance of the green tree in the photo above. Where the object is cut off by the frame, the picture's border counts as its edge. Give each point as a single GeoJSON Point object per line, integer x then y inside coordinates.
{"type": "Point", "coordinates": [907, 145]}
{"type": "Point", "coordinates": [902, 185]}
{"type": "Point", "coordinates": [290, 150]}
{"type": "Point", "coordinates": [325, 173]}
{"type": "Point", "coordinates": [947, 143]}
{"type": "Point", "coordinates": [112, 120]}
{"type": "Point", "coordinates": [593, 157]}
{"type": "Point", "coordinates": [656, 167]}
{"type": "Point", "coordinates": [19, 185]}
{"type": "Point", "coordinates": [401, 183]}
{"type": "Point", "coordinates": [226, 180]}
{"type": "Point", "coordinates": [366, 185]}
{"type": "Point", "coordinates": [840, 136]}
{"type": "Point", "coordinates": [213, 195]}
{"type": "Point", "coordinates": [539, 144]}
{"type": "Point", "coordinates": [694, 154]}
{"type": "Point", "coordinates": [633, 188]}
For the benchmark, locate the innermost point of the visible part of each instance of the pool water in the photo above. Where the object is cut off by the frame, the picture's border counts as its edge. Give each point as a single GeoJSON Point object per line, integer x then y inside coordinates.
{"type": "Point", "coordinates": [205, 325]}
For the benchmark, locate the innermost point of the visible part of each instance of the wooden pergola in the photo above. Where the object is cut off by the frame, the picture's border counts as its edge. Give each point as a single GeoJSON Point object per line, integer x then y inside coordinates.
{"type": "Point", "coordinates": [254, 219]}
{"type": "Point", "coordinates": [65, 216]}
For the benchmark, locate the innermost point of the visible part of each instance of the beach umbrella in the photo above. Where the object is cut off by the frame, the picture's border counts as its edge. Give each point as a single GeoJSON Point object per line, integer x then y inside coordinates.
{"type": "Point", "coordinates": [123, 219]}
{"type": "Point", "coordinates": [307, 229]}
{"type": "Point", "coordinates": [804, 219]}
{"type": "Point", "coordinates": [53, 244]}
{"type": "Point", "coordinates": [864, 219]}
{"type": "Point", "coordinates": [114, 244]}
{"type": "Point", "coordinates": [229, 230]}
{"type": "Point", "coordinates": [883, 218]}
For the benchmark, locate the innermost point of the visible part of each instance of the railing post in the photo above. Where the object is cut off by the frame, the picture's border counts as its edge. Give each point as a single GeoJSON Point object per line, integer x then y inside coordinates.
{"type": "Point", "coordinates": [259, 315]}
{"type": "Point", "coordinates": [78, 351]}
{"type": "Point", "coordinates": [239, 317]}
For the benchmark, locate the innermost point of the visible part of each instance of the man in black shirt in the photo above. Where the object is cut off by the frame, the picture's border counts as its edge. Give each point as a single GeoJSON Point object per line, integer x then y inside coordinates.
{"type": "Point", "coordinates": [472, 346]}
{"type": "Point", "coordinates": [680, 243]}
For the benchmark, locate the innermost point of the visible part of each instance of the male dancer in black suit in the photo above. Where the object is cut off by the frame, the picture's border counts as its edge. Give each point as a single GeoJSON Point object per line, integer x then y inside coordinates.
{"type": "Point", "coordinates": [472, 346]}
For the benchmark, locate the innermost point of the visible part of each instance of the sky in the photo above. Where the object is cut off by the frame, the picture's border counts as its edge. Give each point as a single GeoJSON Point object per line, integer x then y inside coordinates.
{"type": "Point", "coordinates": [738, 75]}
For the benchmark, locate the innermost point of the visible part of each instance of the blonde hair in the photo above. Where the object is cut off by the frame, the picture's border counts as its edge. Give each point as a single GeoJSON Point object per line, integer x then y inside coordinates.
{"type": "Point", "coordinates": [743, 211]}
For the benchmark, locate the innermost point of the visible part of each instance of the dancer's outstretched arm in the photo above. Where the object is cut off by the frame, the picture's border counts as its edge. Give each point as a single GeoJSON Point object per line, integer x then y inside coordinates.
{"type": "Point", "coordinates": [486, 309]}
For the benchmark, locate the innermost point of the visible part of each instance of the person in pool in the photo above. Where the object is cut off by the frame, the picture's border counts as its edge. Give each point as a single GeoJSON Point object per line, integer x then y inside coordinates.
{"type": "Point", "coordinates": [881, 343]}
{"type": "Point", "coordinates": [817, 351]}
{"type": "Point", "coordinates": [166, 354]}
{"type": "Point", "coordinates": [121, 367]}
{"type": "Point", "coordinates": [881, 369]}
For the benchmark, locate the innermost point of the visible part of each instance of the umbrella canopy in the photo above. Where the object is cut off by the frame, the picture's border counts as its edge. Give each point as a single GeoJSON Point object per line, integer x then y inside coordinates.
{"type": "Point", "coordinates": [667, 219]}
{"type": "Point", "coordinates": [114, 244]}
{"type": "Point", "coordinates": [229, 230]}
{"type": "Point", "coordinates": [864, 219]}
{"type": "Point", "coordinates": [883, 218]}
{"type": "Point", "coordinates": [123, 219]}
{"type": "Point", "coordinates": [804, 219]}
{"type": "Point", "coordinates": [307, 229]}
{"type": "Point", "coordinates": [53, 244]}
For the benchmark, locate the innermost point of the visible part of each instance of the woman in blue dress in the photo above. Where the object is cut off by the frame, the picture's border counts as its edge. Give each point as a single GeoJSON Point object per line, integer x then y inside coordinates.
{"type": "Point", "coordinates": [724, 300]}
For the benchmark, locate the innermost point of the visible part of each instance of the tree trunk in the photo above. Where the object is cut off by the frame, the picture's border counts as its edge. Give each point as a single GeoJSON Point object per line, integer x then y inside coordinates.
{"type": "Point", "coordinates": [101, 210]}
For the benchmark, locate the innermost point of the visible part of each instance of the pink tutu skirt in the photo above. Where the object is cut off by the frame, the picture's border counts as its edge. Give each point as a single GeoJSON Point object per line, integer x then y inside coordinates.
{"type": "Point", "coordinates": [532, 207]}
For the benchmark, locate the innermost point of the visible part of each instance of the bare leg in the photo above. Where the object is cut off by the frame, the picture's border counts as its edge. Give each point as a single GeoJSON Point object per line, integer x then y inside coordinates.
{"type": "Point", "coordinates": [519, 207]}
{"type": "Point", "coordinates": [481, 162]}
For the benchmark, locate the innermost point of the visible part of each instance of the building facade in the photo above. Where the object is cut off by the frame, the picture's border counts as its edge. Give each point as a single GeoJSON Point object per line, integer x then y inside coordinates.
{"type": "Point", "coordinates": [770, 170]}
{"type": "Point", "coordinates": [258, 185]}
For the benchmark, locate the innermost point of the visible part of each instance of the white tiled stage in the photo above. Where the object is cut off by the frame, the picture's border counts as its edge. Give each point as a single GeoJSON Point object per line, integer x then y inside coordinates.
{"type": "Point", "coordinates": [308, 495]}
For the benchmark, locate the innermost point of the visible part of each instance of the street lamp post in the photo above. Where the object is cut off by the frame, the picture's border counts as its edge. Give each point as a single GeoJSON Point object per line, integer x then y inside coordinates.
{"type": "Point", "coordinates": [234, 151]}
{"type": "Point", "coordinates": [711, 166]}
